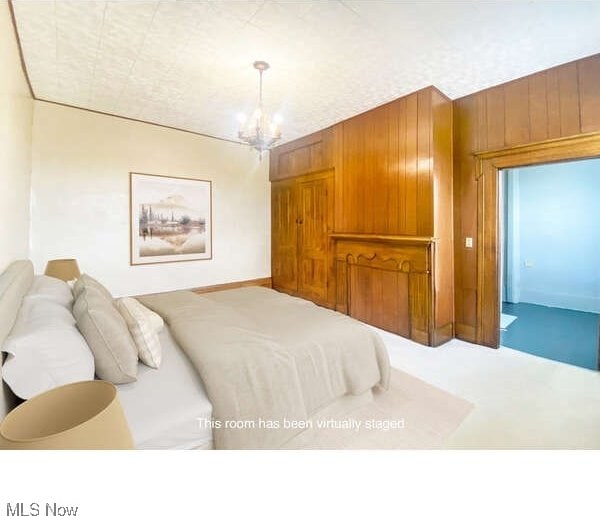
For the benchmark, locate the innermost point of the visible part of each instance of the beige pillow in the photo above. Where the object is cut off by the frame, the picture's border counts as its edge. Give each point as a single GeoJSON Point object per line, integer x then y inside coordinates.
{"type": "Point", "coordinates": [144, 325]}
{"type": "Point", "coordinates": [86, 281]}
{"type": "Point", "coordinates": [115, 354]}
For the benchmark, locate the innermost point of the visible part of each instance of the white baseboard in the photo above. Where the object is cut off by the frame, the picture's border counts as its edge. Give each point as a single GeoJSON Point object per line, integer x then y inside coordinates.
{"type": "Point", "coordinates": [568, 301]}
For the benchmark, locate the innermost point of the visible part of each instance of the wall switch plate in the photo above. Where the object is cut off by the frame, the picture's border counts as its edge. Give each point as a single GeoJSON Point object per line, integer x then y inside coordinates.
{"type": "Point", "coordinates": [529, 264]}
{"type": "Point", "coordinates": [469, 243]}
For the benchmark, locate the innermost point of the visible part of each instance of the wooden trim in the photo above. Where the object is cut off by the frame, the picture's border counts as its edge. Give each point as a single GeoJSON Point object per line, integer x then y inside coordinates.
{"type": "Point", "coordinates": [258, 282]}
{"type": "Point", "coordinates": [399, 239]}
{"type": "Point", "coordinates": [465, 332]}
{"type": "Point", "coordinates": [21, 57]}
{"type": "Point", "coordinates": [156, 124]}
{"type": "Point", "coordinates": [488, 166]}
{"type": "Point", "coordinates": [442, 334]}
{"type": "Point", "coordinates": [308, 176]}
{"type": "Point", "coordinates": [558, 149]}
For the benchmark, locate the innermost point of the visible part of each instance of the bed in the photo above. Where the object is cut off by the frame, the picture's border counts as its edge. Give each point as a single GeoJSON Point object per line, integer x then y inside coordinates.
{"type": "Point", "coordinates": [251, 358]}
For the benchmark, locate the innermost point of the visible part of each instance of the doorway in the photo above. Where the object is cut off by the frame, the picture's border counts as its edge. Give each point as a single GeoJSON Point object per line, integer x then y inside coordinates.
{"type": "Point", "coordinates": [550, 261]}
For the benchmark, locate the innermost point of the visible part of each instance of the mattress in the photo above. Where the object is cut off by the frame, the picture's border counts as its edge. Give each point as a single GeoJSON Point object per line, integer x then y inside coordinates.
{"type": "Point", "coordinates": [166, 407]}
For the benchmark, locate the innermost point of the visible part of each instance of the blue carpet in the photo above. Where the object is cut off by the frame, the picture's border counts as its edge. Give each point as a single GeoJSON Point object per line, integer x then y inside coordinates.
{"type": "Point", "coordinates": [564, 335]}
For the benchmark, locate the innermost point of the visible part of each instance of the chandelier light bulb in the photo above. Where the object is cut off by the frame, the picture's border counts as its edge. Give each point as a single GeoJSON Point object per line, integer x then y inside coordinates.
{"type": "Point", "coordinates": [259, 131]}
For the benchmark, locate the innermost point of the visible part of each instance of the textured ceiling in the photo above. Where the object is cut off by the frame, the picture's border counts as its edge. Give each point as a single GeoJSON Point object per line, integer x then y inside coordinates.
{"type": "Point", "coordinates": [188, 64]}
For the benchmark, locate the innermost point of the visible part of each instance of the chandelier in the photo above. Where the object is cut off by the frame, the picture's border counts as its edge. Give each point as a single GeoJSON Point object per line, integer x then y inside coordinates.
{"type": "Point", "coordinates": [259, 131]}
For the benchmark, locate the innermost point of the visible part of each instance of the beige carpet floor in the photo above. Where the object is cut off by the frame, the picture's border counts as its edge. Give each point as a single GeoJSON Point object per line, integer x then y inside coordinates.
{"type": "Point", "coordinates": [520, 401]}
{"type": "Point", "coordinates": [410, 415]}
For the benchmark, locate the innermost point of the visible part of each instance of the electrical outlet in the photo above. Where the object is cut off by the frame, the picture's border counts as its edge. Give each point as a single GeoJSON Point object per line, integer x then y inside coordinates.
{"type": "Point", "coordinates": [529, 264]}
{"type": "Point", "coordinates": [469, 243]}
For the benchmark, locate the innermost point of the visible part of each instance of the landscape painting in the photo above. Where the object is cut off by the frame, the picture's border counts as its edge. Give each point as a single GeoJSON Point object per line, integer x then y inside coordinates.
{"type": "Point", "coordinates": [171, 219]}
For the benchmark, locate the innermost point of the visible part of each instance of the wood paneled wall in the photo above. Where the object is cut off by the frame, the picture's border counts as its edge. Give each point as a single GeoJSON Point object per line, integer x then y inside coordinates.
{"type": "Point", "coordinates": [385, 162]}
{"type": "Point", "coordinates": [392, 170]}
{"type": "Point", "coordinates": [561, 101]}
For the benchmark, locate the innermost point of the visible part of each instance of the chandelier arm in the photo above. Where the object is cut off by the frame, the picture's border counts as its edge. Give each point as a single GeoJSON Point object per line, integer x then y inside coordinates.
{"type": "Point", "coordinates": [258, 136]}
{"type": "Point", "coordinates": [260, 101]}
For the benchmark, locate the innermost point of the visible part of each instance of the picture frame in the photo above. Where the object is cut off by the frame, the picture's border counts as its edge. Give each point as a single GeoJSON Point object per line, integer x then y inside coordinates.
{"type": "Point", "coordinates": [170, 219]}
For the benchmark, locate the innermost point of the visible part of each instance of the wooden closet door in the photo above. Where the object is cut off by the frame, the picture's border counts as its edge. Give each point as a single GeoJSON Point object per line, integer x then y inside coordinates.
{"type": "Point", "coordinates": [284, 240]}
{"type": "Point", "coordinates": [315, 198]}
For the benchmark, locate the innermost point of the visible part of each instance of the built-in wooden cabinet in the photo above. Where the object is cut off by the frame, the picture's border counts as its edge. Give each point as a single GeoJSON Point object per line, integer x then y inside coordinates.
{"type": "Point", "coordinates": [302, 221]}
{"type": "Point", "coordinates": [312, 153]}
{"type": "Point", "coordinates": [389, 259]}
{"type": "Point", "coordinates": [390, 282]}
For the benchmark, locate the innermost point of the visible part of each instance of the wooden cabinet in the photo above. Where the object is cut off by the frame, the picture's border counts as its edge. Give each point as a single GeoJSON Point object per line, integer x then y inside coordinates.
{"type": "Point", "coordinates": [383, 251]}
{"type": "Point", "coordinates": [390, 282]}
{"type": "Point", "coordinates": [302, 220]}
{"type": "Point", "coordinates": [312, 153]}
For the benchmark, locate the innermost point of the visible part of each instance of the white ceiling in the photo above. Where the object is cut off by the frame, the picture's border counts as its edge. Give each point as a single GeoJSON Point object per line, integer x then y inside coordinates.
{"type": "Point", "coordinates": [188, 64]}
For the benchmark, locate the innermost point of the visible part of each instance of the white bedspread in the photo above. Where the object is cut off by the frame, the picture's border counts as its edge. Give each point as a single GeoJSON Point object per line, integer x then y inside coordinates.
{"type": "Point", "coordinates": [270, 361]}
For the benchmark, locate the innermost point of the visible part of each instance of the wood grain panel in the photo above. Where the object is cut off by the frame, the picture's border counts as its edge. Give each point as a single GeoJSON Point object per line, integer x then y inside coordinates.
{"type": "Point", "coordinates": [395, 175]}
{"type": "Point", "coordinates": [365, 176]}
{"type": "Point", "coordinates": [538, 108]}
{"type": "Point", "coordinates": [306, 155]}
{"type": "Point", "coordinates": [374, 283]}
{"type": "Point", "coordinates": [353, 162]}
{"type": "Point", "coordinates": [443, 225]}
{"type": "Point", "coordinates": [553, 103]}
{"type": "Point", "coordinates": [589, 96]}
{"type": "Point", "coordinates": [568, 86]}
{"type": "Point", "coordinates": [314, 226]}
{"type": "Point", "coordinates": [383, 169]}
{"type": "Point", "coordinates": [284, 235]}
{"type": "Point", "coordinates": [495, 112]}
{"type": "Point", "coordinates": [411, 168]}
{"type": "Point", "coordinates": [420, 309]}
{"type": "Point", "coordinates": [424, 164]}
{"type": "Point", "coordinates": [300, 161]}
{"type": "Point", "coordinates": [516, 112]}
{"type": "Point", "coordinates": [467, 123]}
{"type": "Point", "coordinates": [341, 280]}
{"type": "Point", "coordinates": [561, 101]}
{"type": "Point", "coordinates": [400, 170]}
{"type": "Point", "coordinates": [393, 188]}
{"type": "Point", "coordinates": [387, 281]}
{"type": "Point", "coordinates": [381, 177]}
{"type": "Point", "coordinates": [301, 221]}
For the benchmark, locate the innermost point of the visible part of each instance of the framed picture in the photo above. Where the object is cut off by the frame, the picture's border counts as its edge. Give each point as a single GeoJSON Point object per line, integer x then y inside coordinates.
{"type": "Point", "coordinates": [170, 219]}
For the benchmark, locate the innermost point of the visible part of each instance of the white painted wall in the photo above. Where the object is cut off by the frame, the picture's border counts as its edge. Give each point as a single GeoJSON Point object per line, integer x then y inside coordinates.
{"type": "Point", "coordinates": [558, 235]}
{"type": "Point", "coordinates": [16, 109]}
{"type": "Point", "coordinates": [80, 199]}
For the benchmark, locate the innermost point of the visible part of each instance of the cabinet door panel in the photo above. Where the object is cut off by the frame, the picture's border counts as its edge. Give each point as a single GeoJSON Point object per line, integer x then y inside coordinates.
{"type": "Point", "coordinates": [315, 214]}
{"type": "Point", "coordinates": [284, 264]}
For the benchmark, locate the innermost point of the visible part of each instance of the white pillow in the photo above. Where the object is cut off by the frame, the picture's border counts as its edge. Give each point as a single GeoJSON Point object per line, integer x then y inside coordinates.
{"type": "Point", "coordinates": [44, 358]}
{"type": "Point", "coordinates": [52, 289]}
{"type": "Point", "coordinates": [39, 313]}
{"type": "Point", "coordinates": [45, 349]}
{"type": "Point", "coordinates": [144, 325]}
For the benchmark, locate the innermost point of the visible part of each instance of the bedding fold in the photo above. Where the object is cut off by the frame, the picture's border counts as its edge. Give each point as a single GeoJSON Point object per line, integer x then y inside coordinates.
{"type": "Point", "coordinates": [269, 361]}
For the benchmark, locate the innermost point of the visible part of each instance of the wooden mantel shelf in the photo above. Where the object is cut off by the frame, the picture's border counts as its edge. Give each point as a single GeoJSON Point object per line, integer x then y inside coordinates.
{"type": "Point", "coordinates": [389, 239]}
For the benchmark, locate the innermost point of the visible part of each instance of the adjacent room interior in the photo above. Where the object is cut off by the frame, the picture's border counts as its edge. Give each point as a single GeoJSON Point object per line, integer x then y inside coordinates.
{"type": "Point", "coordinates": [374, 222]}
{"type": "Point", "coordinates": [551, 273]}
